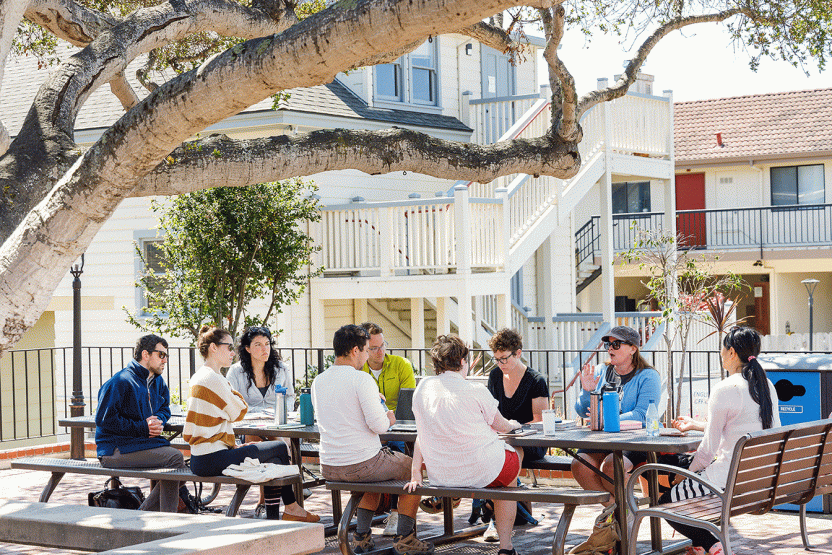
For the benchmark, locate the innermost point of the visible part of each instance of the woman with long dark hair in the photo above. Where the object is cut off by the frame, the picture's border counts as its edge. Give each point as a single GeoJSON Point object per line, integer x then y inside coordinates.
{"type": "Point", "coordinates": [260, 370]}
{"type": "Point", "coordinates": [744, 402]}
{"type": "Point", "coordinates": [257, 376]}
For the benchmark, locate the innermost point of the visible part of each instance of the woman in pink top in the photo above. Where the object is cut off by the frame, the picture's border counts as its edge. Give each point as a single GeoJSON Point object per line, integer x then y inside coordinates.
{"type": "Point", "coordinates": [458, 423]}
{"type": "Point", "coordinates": [744, 402]}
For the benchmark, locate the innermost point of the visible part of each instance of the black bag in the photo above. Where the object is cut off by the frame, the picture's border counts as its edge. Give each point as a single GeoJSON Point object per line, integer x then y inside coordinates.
{"type": "Point", "coordinates": [116, 496]}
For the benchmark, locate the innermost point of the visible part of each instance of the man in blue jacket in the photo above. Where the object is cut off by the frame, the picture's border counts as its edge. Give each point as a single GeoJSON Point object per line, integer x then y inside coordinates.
{"type": "Point", "coordinates": [133, 407]}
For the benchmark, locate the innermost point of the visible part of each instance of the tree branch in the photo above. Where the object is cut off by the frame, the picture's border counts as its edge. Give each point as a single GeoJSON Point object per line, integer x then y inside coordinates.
{"type": "Point", "coordinates": [564, 95]}
{"type": "Point", "coordinates": [491, 35]}
{"type": "Point", "coordinates": [70, 20]}
{"type": "Point", "coordinates": [220, 161]}
{"type": "Point", "coordinates": [45, 146]}
{"type": "Point", "coordinates": [123, 91]}
{"type": "Point", "coordinates": [620, 88]}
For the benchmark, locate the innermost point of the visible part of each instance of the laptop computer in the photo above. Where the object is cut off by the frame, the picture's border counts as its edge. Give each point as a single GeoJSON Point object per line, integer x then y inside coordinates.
{"type": "Point", "coordinates": [405, 421]}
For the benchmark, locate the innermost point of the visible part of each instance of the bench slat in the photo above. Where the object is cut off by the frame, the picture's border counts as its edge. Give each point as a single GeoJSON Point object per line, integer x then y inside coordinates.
{"type": "Point", "coordinates": [566, 496]}
{"type": "Point", "coordinates": [550, 462]}
{"type": "Point", "coordinates": [93, 467]}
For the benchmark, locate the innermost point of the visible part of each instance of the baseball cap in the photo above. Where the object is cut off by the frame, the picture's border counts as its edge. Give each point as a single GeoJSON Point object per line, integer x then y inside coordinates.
{"type": "Point", "coordinates": [624, 333]}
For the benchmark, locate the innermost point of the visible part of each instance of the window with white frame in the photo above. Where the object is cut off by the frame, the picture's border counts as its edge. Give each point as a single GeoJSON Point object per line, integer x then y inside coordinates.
{"type": "Point", "coordinates": [798, 185]}
{"type": "Point", "coordinates": [151, 252]}
{"type": "Point", "coordinates": [630, 197]}
{"type": "Point", "coordinates": [412, 79]}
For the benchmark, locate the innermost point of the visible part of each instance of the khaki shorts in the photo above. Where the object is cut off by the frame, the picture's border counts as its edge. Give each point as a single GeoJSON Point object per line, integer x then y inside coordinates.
{"type": "Point", "coordinates": [386, 465]}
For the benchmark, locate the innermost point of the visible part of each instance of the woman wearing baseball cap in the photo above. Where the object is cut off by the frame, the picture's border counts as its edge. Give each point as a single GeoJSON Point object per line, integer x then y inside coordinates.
{"type": "Point", "coordinates": [639, 384]}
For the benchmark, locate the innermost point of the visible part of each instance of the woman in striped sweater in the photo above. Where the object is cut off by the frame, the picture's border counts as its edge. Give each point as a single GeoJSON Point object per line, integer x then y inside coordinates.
{"type": "Point", "coordinates": [213, 407]}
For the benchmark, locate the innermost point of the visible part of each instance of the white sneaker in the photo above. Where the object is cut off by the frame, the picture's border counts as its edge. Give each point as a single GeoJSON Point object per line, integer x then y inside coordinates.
{"type": "Point", "coordinates": [491, 534]}
{"type": "Point", "coordinates": [392, 524]}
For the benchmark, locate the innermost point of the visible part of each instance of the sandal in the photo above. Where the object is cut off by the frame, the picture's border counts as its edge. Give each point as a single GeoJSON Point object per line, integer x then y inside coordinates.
{"type": "Point", "coordinates": [507, 552]}
{"type": "Point", "coordinates": [433, 505]}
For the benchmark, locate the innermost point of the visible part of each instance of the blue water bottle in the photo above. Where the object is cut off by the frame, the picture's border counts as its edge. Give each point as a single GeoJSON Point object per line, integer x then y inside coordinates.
{"type": "Point", "coordinates": [307, 413]}
{"type": "Point", "coordinates": [612, 415]}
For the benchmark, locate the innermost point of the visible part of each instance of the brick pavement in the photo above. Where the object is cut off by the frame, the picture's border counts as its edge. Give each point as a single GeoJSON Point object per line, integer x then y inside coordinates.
{"type": "Point", "coordinates": [775, 533]}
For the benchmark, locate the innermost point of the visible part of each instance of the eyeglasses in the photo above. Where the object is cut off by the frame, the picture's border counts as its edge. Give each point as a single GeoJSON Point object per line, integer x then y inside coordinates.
{"type": "Point", "coordinates": [376, 349]}
{"type": "Point", "coordinates": [162, 354]}
{"type": "Point", "coordinates": [505, 359]}
{"type": "Point", "coordinates": [615, 344]}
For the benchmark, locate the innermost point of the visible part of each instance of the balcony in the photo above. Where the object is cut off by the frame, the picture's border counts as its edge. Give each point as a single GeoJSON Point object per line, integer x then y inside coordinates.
{"type": "Point", "coordinates": [761, 228]}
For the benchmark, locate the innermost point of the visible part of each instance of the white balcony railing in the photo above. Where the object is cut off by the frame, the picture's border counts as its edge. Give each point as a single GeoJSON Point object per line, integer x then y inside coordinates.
{"type": "Point", "coordinates": [423, 235]}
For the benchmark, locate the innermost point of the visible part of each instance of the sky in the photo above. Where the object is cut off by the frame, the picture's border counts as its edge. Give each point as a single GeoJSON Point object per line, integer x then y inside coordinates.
{"type": "Point", "coordinates": [699, 65]}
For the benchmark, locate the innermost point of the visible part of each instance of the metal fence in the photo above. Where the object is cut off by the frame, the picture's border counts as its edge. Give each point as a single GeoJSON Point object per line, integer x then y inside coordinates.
{"type": "Point", "coordinates": [763, 227]}
{"type": "Point", "coordinates": [36, 384]}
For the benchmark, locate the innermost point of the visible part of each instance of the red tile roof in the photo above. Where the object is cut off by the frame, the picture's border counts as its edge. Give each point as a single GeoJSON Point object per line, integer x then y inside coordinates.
{"type": "Point", "coordinates": [760, 126]}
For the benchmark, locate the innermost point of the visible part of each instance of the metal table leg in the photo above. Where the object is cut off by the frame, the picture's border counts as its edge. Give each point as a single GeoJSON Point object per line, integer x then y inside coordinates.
{"type": "Point", "coordinates": [620, 506]}
{"type": "Point", "coordinates": [296, 456]}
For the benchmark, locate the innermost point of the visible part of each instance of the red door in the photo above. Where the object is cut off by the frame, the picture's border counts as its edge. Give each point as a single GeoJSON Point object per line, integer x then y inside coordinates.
{"type": "Point", "coordinates": [690, 195]}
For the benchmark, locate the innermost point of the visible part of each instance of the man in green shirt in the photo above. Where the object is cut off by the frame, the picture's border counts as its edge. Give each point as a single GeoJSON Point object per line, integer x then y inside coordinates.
{"type": "Point", "coordinates": [391, 372]}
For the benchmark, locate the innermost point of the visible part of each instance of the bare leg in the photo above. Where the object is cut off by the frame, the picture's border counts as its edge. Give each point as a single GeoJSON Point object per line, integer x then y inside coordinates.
{"type": "Point", "coordinates": [587, 478]}
{"type": "Point", "coordinates": [607, 468]}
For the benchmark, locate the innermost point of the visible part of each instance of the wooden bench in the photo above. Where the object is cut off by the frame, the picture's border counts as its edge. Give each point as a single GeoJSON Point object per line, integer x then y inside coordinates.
{"type": "Point", "coordinates": [790, 464]}
{"type": "Point", "coordinates": [570, 498]}
{"type": "Point", "coordinates": [60, 467]}
{"type": "Point", "coordinates": [549, 462]}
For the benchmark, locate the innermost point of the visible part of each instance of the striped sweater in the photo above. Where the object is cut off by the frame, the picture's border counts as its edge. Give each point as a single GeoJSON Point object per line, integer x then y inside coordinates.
{"type": "Point", "coordinates": [213, 407]}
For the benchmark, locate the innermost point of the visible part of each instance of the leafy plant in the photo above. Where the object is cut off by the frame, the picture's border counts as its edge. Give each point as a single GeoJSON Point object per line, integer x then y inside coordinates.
{"type": "Point", "coordinates": [223, 248]}
{"type": "Point", "coordinates": [678, 281]}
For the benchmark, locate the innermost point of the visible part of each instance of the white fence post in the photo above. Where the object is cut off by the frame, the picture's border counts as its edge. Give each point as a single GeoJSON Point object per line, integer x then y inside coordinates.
{"type": "Point", "coordinates": [462, 228]}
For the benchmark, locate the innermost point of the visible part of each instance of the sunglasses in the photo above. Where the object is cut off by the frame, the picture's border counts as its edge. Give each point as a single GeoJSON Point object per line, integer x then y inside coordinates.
{"type": "Point", "coordinates": [615, 344]}
{"type": "Point", "coordinates": [162, 354]}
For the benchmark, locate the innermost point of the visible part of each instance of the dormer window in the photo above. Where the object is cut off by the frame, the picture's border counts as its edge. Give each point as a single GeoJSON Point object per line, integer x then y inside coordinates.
{"type": "Point", "coordinates": [412, 79]}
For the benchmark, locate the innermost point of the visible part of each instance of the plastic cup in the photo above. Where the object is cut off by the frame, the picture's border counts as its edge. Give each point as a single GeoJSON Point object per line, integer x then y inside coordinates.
{"type": "Point", "coordinates": [550, 420]}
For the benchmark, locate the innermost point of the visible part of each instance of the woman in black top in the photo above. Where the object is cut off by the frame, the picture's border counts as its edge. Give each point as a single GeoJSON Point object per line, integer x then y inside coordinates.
{"type": "Point", "coordinates": [522, 393]}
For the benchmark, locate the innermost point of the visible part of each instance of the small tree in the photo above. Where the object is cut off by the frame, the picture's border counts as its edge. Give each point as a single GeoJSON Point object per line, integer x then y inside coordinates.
{"type": "Point", "coordinates": [678, 281]}
{"type": "Point", "coordinates": [223, 248]}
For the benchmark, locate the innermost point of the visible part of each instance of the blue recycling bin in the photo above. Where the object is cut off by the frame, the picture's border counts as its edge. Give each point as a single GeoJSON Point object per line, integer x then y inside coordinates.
{"type": "Point", "coordinates": [804, 393]}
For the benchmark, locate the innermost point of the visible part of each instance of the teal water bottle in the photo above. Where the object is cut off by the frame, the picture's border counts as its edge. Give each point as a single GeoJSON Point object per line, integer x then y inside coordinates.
{"type": "Point", "coordinates": [612, 414]}
{"type": "Point", "coordinates": [307, 413]}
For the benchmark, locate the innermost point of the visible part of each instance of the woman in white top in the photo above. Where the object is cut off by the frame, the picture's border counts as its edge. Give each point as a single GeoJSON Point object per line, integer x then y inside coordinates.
{"type": "Point", "coordinates": [258, 377]}
{"type": "Point", "coordinates": [458, 423]}
{"type": "Point", "coordinates": [744, 402]}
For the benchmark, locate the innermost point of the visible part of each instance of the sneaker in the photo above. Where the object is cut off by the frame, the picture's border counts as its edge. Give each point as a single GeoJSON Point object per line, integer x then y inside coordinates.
{"type": "Point", "coordinates": [411, 545]}
{"type": "Point", "coordinates": [606, 515]}
{"type": "Point", "coordinates": [362, 543]}
{"type": "Point", "coordinates": [260, 510]}
{"type": "Point", "coordinates": [491, 534]}
{"type": "Point", "coordinates": [392, 524]}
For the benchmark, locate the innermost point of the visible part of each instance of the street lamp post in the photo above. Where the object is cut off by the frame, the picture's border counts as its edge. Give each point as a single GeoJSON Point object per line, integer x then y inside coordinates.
{"type": "Point", "coordinates": [810, 287]}
{"type": "Point", "coordinates": [76, 405]}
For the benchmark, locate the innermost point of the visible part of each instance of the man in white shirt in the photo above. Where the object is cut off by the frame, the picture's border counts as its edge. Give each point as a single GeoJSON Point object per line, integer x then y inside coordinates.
{"type": "Point", "coordinates": [350, 416]}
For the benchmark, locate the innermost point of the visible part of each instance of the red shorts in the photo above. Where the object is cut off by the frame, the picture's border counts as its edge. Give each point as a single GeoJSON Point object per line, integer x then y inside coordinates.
{"type": "Point", "coordinates": [511, 468]}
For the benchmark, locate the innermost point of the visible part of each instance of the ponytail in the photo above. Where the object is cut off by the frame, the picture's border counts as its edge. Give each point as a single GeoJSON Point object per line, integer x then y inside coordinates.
{"type": "Point", "coordinates": [757, 380]}
{"type": "Point", "coordinates": [746, 343]}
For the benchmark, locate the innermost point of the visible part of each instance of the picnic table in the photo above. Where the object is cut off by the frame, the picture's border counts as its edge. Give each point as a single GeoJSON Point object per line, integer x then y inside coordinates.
{"type": "Point", "coordinates": [571, 437]}
{"type": "Point", "coordinates": [568, 437]}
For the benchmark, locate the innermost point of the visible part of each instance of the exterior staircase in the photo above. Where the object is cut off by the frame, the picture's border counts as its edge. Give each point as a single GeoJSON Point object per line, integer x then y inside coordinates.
{"type": "Point", "coordinates": [472, 241]}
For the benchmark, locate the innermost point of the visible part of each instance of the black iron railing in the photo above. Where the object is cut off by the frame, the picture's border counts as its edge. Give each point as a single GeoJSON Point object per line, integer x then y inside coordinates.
{"type": "Point", "coordinates": [36, 384]}
{"type": "Point", "coordinates": [763, 228]}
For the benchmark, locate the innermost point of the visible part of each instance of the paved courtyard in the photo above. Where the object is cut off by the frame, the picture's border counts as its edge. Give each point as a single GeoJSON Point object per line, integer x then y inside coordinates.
{"type": "Point", "coordinates": [776, 533]}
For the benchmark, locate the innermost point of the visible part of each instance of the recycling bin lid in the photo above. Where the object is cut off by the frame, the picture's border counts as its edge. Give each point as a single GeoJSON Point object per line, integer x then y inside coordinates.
{"type": "Point", "coordinates": [806, 362]}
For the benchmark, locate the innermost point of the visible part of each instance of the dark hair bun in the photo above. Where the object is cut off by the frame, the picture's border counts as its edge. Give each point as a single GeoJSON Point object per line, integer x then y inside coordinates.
{"type": "Point", "coordinates": [204, 329]}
